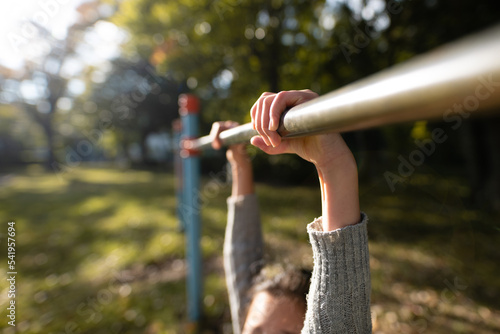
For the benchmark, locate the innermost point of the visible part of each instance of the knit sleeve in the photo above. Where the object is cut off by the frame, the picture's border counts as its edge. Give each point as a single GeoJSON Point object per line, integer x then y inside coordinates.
{"type": "Point", "coordinates": [339, 296]}
{"type": "Point", "coordinates": [243, 253]}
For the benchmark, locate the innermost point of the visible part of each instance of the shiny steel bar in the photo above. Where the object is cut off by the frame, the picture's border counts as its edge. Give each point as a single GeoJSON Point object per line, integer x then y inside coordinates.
{"type": "Point", "coordinates": [454, 80]}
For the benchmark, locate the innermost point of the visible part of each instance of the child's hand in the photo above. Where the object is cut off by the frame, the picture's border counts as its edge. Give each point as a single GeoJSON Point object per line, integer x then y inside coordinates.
{"type": "Point", "coordinates": [267, 110]}
{"type": "Point", "coordinates": [334, 161]}
{"type": "Point", "coordinates": [241, 167]}
{"type": "Point", "coordinates": [321, 150]}
{"type": "Point", "coordinates": [236, 154]}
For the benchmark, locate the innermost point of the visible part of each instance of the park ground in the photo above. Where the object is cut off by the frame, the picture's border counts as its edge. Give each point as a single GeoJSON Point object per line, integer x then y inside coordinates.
{"type": "Point", "coordinates": [99, 250]}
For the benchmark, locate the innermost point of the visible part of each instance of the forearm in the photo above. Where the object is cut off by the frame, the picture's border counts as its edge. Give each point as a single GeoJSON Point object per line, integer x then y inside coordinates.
{"type": "Point", "coordinates": [242, 175]}
{"type": "Point", "coordinates": [339, 194]}
{"type": "Point", "coordinates": [339, 297]}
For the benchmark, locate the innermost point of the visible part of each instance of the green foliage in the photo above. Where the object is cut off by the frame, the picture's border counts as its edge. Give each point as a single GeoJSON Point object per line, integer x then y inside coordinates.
{"type": "Point", "coordinates": [276, 45]}
{"type": "Point", "coordinates": [229, 52]}
{"type": "Point", "coordinates": [233, 49]}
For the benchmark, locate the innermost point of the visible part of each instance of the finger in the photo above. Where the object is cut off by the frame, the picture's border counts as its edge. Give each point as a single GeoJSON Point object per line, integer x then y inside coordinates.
{"type": "Point", "coordinates": [230, 125]}
{"type": "Point", "coordinates": [257, 115]}
{"type": "Point", "coordinates": [214, 134]}
{"type": "Point", "coordinates": [264, 120]}
{"type": "Point", "coordinates": [280, 103]}
{"type": "Point", "coordinates": [261, 109]}
{"type": "Point", "coordinates": [287, 99]}
{"type": "Point", "coordinates": [258, 142]}
{"type": "Point", "coordinates": [255, 107]}
{"type": "Point", "coordinates": [277, 108]}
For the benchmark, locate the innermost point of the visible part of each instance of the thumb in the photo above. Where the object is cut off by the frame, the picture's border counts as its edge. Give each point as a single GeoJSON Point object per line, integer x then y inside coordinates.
{"type": "Point", "coordinates": [258, 142]}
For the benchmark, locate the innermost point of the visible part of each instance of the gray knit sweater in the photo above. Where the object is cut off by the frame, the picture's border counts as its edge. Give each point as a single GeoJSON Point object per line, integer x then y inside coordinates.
{"type": "Point", "coordinates": [339, 296]}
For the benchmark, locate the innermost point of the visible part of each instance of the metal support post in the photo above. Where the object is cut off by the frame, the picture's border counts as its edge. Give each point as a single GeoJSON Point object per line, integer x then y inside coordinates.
{"type": "Point", "coordinates": [176, 138]}
{"type": "Point", "coordinates": [190, 210]}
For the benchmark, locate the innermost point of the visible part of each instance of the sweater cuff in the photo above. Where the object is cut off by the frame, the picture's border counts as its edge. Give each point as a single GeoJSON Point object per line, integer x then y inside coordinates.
{"type": "Point", "coordinates": [242, 200]}
{"type": "Point", "coordinates": [316, 225]}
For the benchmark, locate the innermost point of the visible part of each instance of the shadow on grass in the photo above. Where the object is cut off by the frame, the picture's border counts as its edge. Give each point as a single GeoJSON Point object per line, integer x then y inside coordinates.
{"type": "Point", "coordinates": [423, 237]}
{"type": "Point", "coordinates": [99, 252]}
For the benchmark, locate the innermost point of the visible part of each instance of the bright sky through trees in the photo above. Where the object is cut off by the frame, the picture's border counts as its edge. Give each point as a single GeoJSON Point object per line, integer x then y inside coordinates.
{"type": "Point", "coordinates": [16, 34]}
{"type": "Point", "coordinates": [19, 40]}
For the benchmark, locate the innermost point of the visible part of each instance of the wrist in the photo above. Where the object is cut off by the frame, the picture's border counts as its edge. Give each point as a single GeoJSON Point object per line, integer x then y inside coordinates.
{"type": "Point", "coordinates": [340, 175]}
{"type": "Point", "coordinates": [344, 163]}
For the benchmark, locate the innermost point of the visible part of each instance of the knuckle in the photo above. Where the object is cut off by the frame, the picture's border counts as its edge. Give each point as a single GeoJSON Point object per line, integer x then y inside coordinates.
{"type": "Point", "coordinates": [268, 100]}
{"type": "Point", "coordinates": [282, 93]}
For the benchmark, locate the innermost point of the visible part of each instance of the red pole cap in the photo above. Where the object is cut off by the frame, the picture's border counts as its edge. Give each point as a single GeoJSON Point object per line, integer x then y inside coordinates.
{"type": "Point", "coordinates": [188, 104]}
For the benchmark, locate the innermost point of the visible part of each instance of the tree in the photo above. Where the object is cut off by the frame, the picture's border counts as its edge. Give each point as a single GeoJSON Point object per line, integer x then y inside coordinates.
{"type": "Point", "coordinates": [42, 84]}
{"type": "Point", "coordinates": [138, 102]}
{"type": "Point", "coordinates": [229, 52]}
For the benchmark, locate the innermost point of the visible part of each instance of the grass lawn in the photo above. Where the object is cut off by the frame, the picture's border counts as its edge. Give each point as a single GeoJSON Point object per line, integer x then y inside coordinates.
{"type": "Point", "coordinates": [99, 251]}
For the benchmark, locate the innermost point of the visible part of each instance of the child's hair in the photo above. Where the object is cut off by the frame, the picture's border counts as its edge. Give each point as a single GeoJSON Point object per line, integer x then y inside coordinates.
{"type": "Point", "coordinates": [292, 282]}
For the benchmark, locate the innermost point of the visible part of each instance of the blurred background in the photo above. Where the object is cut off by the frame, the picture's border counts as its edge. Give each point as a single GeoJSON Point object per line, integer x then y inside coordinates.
{"type": "Point", "coordinates": [88, 94]}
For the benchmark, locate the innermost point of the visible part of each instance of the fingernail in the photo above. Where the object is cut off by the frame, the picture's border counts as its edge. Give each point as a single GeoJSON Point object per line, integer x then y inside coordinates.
{"type": "Point", "coordinates": [271, 125]}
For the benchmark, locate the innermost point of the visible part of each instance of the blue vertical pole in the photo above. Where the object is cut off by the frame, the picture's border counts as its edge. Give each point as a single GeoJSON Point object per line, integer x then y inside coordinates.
{"type": "Point", "coordinates": [177, 135]}
{"type": "Point", "coordinates": [189, 109]}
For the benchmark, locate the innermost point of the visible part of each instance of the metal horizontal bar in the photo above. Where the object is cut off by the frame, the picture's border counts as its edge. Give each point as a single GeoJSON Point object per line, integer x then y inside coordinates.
{"type": "Point", "coordinates": [451, 81]}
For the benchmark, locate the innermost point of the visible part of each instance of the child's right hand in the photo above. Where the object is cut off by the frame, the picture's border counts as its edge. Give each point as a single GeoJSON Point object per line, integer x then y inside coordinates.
{"type": "Point", "coordinates": [334, 161]}
{"type": "Point", "coordinates": [324, 150]}
{"type": "Point", "coordinates": [236, 154]}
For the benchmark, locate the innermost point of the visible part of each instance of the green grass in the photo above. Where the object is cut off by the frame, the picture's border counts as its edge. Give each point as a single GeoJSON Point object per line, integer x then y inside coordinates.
{"type": "Point", "coordinates": [99, 251]}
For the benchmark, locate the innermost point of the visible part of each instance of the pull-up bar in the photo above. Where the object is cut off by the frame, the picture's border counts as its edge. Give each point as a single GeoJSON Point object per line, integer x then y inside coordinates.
{"type": "Point", "coordinates": [457, 78]}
